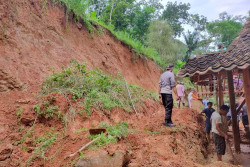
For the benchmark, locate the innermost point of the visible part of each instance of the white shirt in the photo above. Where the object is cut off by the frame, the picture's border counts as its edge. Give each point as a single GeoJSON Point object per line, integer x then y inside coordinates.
{"type": "Point", "coordinates": [190, 97]}
{"type": "Point", "coordinates": [218, 119]}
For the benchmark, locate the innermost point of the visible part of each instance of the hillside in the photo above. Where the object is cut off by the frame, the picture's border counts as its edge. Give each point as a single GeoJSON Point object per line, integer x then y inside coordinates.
{"type": "Point", "coordinates": [36, 41]}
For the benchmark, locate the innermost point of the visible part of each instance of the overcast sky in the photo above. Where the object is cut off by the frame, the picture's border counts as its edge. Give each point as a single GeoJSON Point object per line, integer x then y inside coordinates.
{"type": "Point", "coordinates": [212, 8]}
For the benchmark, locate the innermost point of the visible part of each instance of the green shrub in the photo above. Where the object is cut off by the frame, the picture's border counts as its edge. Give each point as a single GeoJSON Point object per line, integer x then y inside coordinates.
{"type": "Point", "coordinates": [42, 145]}
{"type": "Point", "coordinates": [115, 133]}
{"type": "Point", "coordinates": [92, 88]}
{"type": "Point", "coordinates": [48, 110]}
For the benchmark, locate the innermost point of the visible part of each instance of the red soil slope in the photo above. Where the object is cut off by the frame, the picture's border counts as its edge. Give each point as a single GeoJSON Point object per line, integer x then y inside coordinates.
{"type": "Point", "coordinates": [35, 41]}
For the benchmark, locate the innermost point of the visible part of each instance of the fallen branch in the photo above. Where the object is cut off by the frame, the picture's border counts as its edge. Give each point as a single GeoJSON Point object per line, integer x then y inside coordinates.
{"type": "Point", "coordinates": [85, 146]}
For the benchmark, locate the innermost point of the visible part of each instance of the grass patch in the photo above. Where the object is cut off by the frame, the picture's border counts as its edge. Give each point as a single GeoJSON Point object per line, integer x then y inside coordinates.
{"type": "Point", "coordinates": [92, 88]}
{"type": "Point", "coordinates": [81, 130]}
{"type": "Point", "coordinates": [176, 129]}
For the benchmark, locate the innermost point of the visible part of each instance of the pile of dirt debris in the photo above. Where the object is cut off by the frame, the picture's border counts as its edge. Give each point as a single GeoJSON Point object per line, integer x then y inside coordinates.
{"type": "Point", "coordinates": [35, 42]}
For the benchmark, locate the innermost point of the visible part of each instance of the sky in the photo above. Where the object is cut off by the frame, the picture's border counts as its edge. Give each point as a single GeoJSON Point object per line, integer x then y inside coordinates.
{"type": "Point", "coordinates": [212, 8]}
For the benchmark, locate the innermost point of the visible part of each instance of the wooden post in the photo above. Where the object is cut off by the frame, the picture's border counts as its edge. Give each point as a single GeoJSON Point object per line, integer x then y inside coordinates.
{"type": "Point", "coordinates": [246, 84]}
{"type": "Point", "coordinates": [236, 133]}
{"type": "Point", "coordinates": [202, 93]}
{"type": "Point", "coordinates": [216, 91]}
{"type": "Point", "coordinates": [206, 90]}
{"type": "Point", "coordinates": [220, 90]}
{"type": "Point", "coordinates": [197, 89]}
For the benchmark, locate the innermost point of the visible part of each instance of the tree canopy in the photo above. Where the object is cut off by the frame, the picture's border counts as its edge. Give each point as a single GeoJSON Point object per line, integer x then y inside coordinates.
{"type": "Point", "coordinates": [226, 28]}
{"type": "Point", "coordinates": [153, 28]}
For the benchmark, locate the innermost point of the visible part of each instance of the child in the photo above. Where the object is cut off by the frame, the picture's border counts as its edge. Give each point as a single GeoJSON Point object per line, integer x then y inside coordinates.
{"type": "Point", "coordinates": [208, 112]}
{"type": "Point", "coordinates": [191, 96]}
{"type": "Point", "coordinates": [205, 102]}
{"type": "Point", "coordinates": [219, 130]}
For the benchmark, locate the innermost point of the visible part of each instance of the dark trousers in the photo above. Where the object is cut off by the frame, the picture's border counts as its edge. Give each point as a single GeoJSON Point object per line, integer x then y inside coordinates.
{"type": "Point", "coordinates": [167, 100]}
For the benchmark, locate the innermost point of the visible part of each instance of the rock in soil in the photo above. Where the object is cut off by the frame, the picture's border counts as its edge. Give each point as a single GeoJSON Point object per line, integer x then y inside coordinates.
{"type": "Point", "coordinates": [28, 118]}
{"type": "Point", "coordinates": [103, 159]}
{"type": "Point", "coordinates": [5, 151]}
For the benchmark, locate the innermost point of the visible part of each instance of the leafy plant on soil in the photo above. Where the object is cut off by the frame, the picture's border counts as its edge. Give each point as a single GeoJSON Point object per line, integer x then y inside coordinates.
{"type": "Point", "coordinates": [115, 132]}
{"type": "Point", "coordinates": [48, 110]}
{"type": "Point", "coordinates": [19, 112]}
{"type": "Point", "coordinates": [92, 88]}
{"type": "Point", "coordinates": [42, 145]}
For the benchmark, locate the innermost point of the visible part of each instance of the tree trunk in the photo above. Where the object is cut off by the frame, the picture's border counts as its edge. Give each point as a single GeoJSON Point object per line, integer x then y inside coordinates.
{"type": "Point", "coordinates": [99, 6]}
{"type": "Point", "coordinates": [111, 11]}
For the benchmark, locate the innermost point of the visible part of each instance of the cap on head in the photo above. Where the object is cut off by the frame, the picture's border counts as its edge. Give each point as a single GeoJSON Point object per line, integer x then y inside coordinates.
{"type": "Point", "coordinates": [170, 66]}
{"type": "Point", "coordinates": [182, 83]}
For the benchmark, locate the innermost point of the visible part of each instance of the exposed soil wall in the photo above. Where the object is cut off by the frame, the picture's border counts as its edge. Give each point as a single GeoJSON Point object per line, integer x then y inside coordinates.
{"type": "Point", "coordinates": [35, 41]}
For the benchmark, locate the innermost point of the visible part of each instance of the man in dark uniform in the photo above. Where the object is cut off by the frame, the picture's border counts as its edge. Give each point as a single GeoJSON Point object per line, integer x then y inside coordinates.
{"type": "Point", "coordinates": [208, 113]}
{"type": "Point", "coordinates": [167, 84]}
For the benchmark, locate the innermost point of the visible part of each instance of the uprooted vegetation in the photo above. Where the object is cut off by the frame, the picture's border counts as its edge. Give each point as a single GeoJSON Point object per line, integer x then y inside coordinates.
{"type": "Point", "coordinates": [76, 92]}
{"type": "Point", "coordinates": [93, 89]}
{"type": "Point", "coordinates": [115, 133]}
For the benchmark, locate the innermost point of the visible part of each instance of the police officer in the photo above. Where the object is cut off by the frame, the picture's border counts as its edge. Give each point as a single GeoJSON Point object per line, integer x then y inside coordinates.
{"type": "Point", "coordinates": [167, 84]}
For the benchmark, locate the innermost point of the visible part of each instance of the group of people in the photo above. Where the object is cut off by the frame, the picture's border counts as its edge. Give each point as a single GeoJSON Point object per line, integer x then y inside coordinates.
{"type": "Point", "coordinates": [216, 121]}
{"type": "Point", "coordinates": [167, 85]}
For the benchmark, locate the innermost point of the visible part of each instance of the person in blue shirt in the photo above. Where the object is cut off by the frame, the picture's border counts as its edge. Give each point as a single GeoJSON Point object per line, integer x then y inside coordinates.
{"type": "Point", "coordinates": [208, 113]}
{"type": "Point", "coordinates": [205, 101]}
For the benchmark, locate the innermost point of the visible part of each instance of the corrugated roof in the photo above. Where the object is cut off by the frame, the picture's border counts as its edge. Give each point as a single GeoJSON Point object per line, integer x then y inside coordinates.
{"type": "Point", "coordinates": [237, 55]}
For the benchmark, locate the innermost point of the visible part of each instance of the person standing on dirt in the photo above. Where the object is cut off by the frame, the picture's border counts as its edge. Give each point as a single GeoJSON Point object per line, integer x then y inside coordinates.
{"type": "Point", "coordinates": [208, 113]}
{"type": "Point", "coordinates": [219, 130]}
{"type": "Point", "coordinates": [181, 94]}
{"type": "Point", "coordinates": [191, 97]}
{"type": "Point", "coordinates": [167, 84]}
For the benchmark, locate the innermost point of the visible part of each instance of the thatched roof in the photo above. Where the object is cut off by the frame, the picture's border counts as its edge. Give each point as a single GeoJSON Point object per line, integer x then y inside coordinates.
{"type": "Point", "coordinates": [237, 56]}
